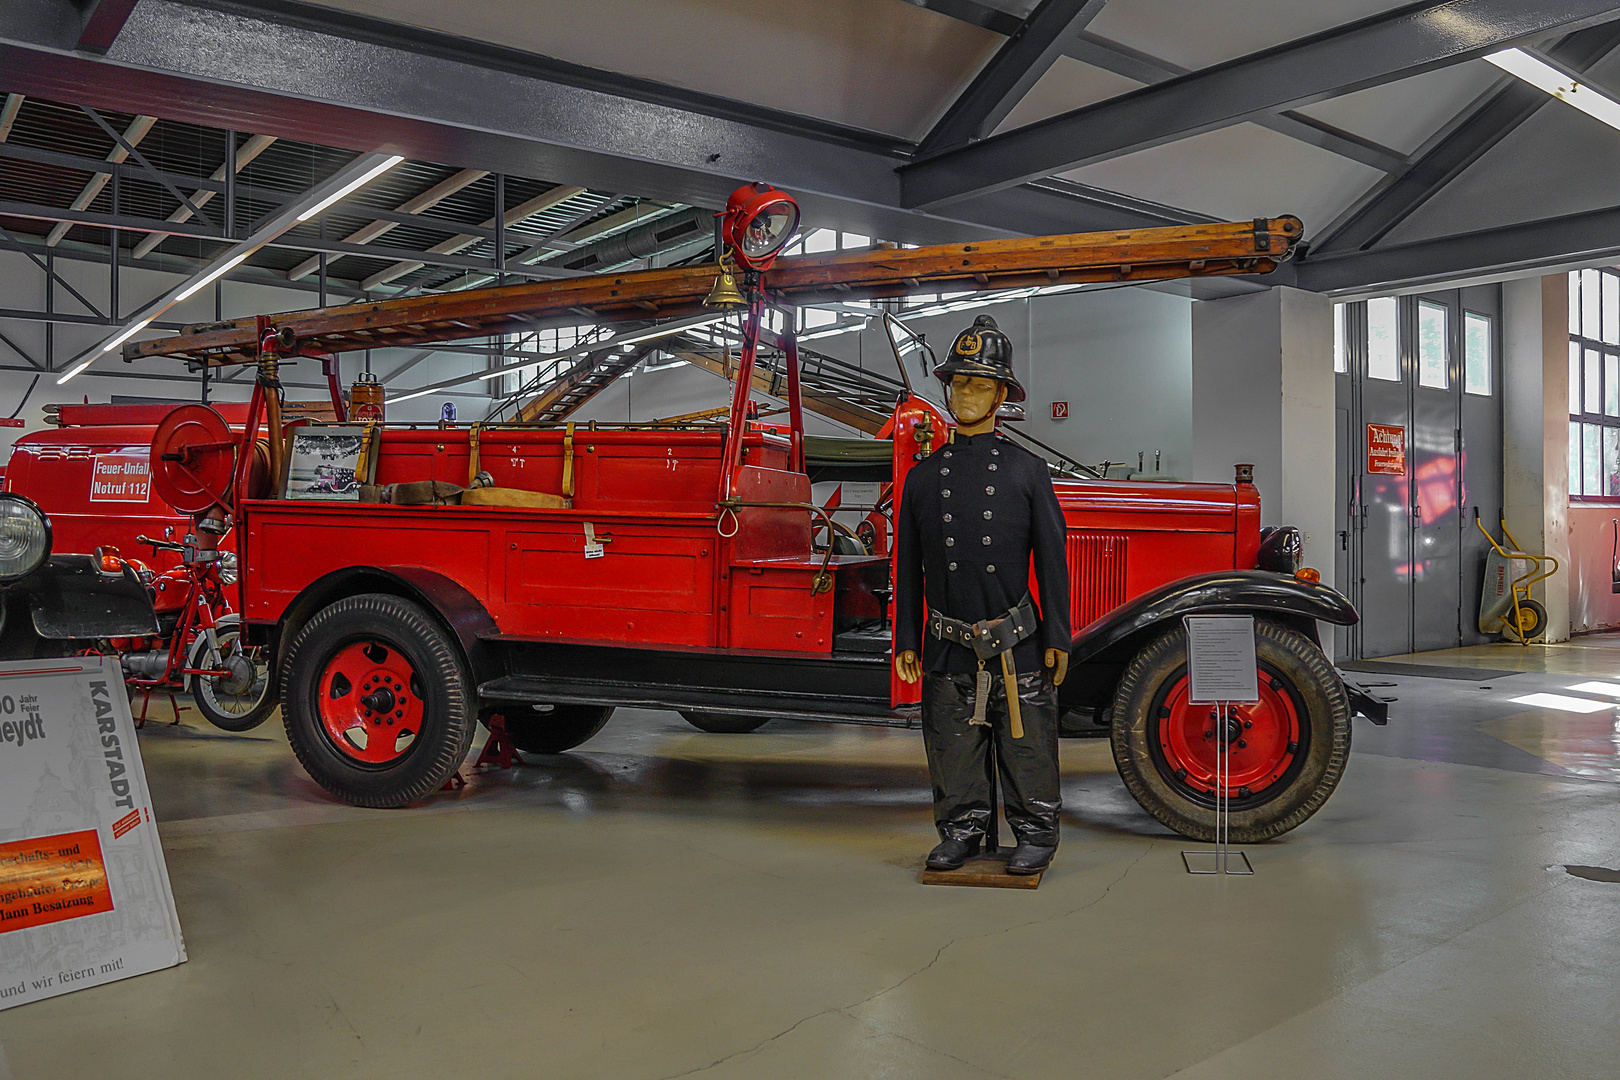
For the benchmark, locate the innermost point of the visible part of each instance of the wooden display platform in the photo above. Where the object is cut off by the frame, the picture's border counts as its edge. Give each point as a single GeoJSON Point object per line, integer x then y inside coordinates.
{"type": "Point", "coordinates": [985, 872]}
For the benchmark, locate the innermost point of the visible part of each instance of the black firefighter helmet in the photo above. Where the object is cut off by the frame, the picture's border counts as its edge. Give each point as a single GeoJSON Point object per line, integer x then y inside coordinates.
{"type": "Point", "coordinates": [983, 352]}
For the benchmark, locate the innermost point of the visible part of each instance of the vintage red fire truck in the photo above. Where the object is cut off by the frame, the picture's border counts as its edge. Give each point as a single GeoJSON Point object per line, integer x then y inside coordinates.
{"type": "Point", "coordinates": [593, 566]}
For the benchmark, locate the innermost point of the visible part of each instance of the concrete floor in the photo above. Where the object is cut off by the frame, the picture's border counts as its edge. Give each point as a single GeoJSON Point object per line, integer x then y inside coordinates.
{"type": "Point", "coordinates": [664, 903]}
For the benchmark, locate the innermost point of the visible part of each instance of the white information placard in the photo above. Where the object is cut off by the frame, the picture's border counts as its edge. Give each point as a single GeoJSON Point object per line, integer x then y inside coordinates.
{"type": "Point", "coordinates": [1220, 659]}
{"type": "Point", "coordinates": [84, 892]}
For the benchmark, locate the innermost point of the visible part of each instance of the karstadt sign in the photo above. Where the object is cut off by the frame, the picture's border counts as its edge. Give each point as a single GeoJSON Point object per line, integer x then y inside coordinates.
{"type": "Point", "coordinates": [84, 892]}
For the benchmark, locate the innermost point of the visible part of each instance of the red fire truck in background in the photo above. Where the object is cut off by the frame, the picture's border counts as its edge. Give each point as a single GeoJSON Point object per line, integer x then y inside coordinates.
{"type": "Point", "coordinates": [558, 571]}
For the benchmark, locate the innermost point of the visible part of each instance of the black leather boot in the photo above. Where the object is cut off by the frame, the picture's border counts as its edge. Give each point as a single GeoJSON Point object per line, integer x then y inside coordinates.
{"type": "Point", "coordinates": [1030, 858]}
{"type": "Point", "coordinates": [951, 854]}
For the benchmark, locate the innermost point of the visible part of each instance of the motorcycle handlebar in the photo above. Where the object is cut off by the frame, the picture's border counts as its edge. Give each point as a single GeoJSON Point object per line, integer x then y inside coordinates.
{"type": "Point", "coordinates": [168, 545]}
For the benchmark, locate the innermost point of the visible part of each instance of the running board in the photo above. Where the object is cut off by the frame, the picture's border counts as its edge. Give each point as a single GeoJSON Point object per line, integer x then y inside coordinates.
{"type": "Point", "coordinates": [535, 690]}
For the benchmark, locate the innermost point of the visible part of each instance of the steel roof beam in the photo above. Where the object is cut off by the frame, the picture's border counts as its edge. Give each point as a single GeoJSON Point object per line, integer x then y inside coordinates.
{"type": "Point", "coordinates": [427, 200]}
{"type": "Point", "coordinates": [1011, 73]}
{"type": "Point", "coordinates": [103, 21]}
{"type": "Point", "coordinates": [8, 114]}
{"type": "Point", "coordinates": [1485, 123]}
{"type": "Point", "coordinates": [249, 150]}
{"type": "Point", "coordinates": [136, 131]}
{"type": "Point", "coordinates": [310, 73]}
{"type": "Point", "coordinates": [1133, 64]}
{"type": "Point", "coordinates": [1396, 45]}
{"type": "Point", "coordinates": [1585, 239]}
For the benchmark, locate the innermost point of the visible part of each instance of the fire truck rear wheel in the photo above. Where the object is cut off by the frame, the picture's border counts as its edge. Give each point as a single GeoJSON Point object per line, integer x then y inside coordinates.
{"type": "Point", "coordinates": [1286, 753]}
{"type": "Point", "coordinates": [377, 701]}
{"type": "Point", "coordinates": [724, 723]}
{"type": "Point", "coordinates": [556, 728]}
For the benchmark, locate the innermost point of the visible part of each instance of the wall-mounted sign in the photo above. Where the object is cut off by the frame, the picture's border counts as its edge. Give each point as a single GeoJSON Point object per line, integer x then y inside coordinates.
{"type": "Point", "coordinates": [1060, 410]}
{"type": "Point", "coordinates": [1386, 450]}
{"type": "Point", "coordinates": [84, 894]}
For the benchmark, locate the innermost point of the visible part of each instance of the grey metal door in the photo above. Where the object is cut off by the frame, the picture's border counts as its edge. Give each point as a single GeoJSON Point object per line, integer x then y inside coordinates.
{"type": "Point", "coordinates": [1480, 349]}
{"type": "Point", "coordinates": [1424, 372]}
{"type": "Point", "coordinates": [1436, 446]}
{"type": "Point", "coordinates": [1386, 523]}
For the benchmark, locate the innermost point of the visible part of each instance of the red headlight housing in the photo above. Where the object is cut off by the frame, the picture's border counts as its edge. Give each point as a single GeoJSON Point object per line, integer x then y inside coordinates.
{"type": "Point", "coordinates": [757, 223]}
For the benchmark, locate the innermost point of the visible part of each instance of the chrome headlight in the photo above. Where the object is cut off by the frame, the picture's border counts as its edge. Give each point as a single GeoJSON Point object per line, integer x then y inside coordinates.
{"type": "Point", "coordinates": [25, 537]}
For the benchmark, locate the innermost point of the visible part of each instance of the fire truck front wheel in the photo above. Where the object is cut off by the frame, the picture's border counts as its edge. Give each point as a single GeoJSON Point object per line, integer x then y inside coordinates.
{"type": "Point", "coordinates": [377, 701]}
{"type": "Point", "coordinates": [1285, 753]}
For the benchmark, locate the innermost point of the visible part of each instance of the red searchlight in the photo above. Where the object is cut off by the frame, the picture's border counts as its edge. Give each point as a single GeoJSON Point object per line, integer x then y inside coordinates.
{"type": "Point", "coordinates": [757, 223]}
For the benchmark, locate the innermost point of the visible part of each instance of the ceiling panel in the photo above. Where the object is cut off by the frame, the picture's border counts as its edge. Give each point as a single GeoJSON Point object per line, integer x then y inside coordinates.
{"type": "Point", "coordinates": [1402, 115]}
{"type": "Point", "coordinates": [883, 65]}
{"type": "Point", "coordinates": [1236, 173]}
{"type": "Point", "coordinates": [1067, 84]}
{"type": "Point", "coordinates": [1198, 33]}
{"type": "Point", "coordinates": [1560, 161]}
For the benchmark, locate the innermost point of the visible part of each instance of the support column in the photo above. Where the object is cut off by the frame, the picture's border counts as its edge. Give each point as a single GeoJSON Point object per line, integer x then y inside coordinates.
{"type": "Point", "coordinates": [1535, 430]}
{"type": "Point", "coordinates": [1263, 392]}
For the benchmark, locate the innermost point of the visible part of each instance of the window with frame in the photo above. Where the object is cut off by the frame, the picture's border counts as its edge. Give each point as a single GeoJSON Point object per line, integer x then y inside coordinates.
{"type": "Point", "coordinates": [1594, 384]}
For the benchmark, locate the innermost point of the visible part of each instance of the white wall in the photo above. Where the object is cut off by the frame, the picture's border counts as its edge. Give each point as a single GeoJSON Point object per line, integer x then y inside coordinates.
{"type": "Point", "coordinates": [1122, 359]}
{"type": "Point", "coordinates": [1263, 392]}
{"type": "Point", "coordinates": [1535, 431]}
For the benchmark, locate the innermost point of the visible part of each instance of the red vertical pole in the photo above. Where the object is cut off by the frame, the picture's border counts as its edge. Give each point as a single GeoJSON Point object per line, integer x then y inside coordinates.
{"type": "Point", "coordinates": [790, 345]}
{"type": "Point", "coordinates": [740, 393]}
{"type": "Point", "coordinates": [244, 468]}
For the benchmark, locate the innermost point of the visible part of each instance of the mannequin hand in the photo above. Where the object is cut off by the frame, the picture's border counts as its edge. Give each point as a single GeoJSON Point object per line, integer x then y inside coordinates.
{"type": "Point", "coordinates": [1058, 661]}
{"type": "Point", "coordinates": [907, 667]}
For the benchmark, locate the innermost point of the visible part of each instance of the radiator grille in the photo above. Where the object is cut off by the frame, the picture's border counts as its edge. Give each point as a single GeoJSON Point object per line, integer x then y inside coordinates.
{"type": "Point", "coordinates": [1096, 576]}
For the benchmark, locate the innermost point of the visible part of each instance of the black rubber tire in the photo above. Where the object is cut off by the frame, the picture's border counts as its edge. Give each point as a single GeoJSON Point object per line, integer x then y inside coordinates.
{"type": "Point", "coordinates": [449, 700]}
{"type": "Point", "coordinates": [1325, 732]}
{"type": "Point", "coordinates": [557, 729]}
{"type": "Point", "coordinates": [229, 721]}
{"type": "Point", "coordinates": [1537, 623]}
{"type": "Point", "coordinates": [724, 723]}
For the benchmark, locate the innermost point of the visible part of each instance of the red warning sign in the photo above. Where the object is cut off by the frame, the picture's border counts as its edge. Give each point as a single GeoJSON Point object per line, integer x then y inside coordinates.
{"type": "Point", "coordinates": [1386, 450]}
{"type": "Point", "coordinates": [121, 478]}
{"type": "Point", "coordinates": [1060, 410]}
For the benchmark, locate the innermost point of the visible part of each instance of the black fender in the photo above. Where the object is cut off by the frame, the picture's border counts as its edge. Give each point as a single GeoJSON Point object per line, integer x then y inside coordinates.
{"type": "Point", "coordinates": [457, 609]}
{"type": "Point", "coordinates": [69, 598]}
{"type": "Point", "coordinates": [1101, 650]}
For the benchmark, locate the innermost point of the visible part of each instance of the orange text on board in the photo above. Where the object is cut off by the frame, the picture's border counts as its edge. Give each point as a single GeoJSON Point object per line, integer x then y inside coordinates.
{"type": "Point", "coordinates": [51, 878]}
{"type": "Point", "coordinates": [1386, 450]}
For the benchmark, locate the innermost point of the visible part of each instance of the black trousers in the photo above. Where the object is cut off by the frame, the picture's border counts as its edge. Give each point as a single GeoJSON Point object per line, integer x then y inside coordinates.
{"type": "Point", "coordinates": [958, 763]}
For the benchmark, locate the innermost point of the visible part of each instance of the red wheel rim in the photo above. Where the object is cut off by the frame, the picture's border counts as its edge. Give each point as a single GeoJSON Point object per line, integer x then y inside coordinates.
{"type": "Point", "coordinates": [371, 702]}
{"type": "Point", "coordinates": [1263, 740]}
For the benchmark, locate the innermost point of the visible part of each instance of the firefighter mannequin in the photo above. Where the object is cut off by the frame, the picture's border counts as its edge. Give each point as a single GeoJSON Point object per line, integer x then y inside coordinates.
{"type": "Point", "coordinates": [971, 517]}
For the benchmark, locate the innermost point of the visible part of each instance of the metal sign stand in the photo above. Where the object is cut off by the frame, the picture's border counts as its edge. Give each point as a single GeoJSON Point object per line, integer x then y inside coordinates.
{"type": "Point", "coordinates": [1220, 671]}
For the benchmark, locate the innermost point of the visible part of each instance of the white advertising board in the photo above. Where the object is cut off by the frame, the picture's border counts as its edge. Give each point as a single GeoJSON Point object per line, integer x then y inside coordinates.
{"type": "Point", "coordinates": [1221, 664]}
{"type": "Point", "coordinates": [84, 892]}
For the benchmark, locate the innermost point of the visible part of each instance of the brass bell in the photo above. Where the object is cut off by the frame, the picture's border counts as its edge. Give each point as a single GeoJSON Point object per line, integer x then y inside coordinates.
{"type": "Point", "coordinates": [725, 292]}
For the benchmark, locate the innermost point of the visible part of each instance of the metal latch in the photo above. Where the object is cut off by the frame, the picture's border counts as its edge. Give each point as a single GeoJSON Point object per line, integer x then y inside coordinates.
{"type": "Point", "coordinates": [593, 543]}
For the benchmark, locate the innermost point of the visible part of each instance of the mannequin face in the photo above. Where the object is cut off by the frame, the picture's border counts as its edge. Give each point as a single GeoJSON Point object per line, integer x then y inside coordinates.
{"type": "Point", "coordinates": [974, 402]}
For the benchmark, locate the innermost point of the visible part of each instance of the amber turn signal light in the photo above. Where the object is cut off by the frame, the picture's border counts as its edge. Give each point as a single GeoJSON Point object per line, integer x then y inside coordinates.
{"type": "Point", "coordinates": [1306, 574]}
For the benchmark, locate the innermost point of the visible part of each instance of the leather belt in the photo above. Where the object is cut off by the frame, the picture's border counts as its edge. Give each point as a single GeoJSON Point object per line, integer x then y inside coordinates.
{"type": "Point", "coordinates": [988, 638]}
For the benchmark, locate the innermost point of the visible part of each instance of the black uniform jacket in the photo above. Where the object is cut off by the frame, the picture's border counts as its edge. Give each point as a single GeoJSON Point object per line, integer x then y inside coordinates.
{"type": "Point", "coordinates": [971, 515]}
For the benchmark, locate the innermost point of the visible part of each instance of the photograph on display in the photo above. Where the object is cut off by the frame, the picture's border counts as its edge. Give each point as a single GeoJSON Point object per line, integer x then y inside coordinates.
{"type": "Point", "coordinates": [321, 464]}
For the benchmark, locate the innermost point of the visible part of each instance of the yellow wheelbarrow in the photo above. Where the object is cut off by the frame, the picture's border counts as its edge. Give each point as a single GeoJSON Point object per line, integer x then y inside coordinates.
{"type": "Point", "coordinates": [1505, 606]}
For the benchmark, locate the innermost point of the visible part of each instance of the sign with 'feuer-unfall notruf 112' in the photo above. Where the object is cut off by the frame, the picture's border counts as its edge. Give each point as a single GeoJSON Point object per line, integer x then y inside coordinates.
{"type": "Point", "coordinates": [1386, 449]}
{"type": "Point", "coordinates": [84, 892]}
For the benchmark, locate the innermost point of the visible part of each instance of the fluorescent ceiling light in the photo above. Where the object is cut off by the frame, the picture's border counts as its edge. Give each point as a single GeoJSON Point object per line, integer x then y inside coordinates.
{"type": "Point", "coordinates": [1560, 84]}
{"type": "Point", "coordinates": [353, 185]}
{"type": "Point", "coordinates": [218, 271]}
{"type": "Point", "coordinates": [233, 256]}
{"type": "Point", "coordinates": [1563, 703]}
